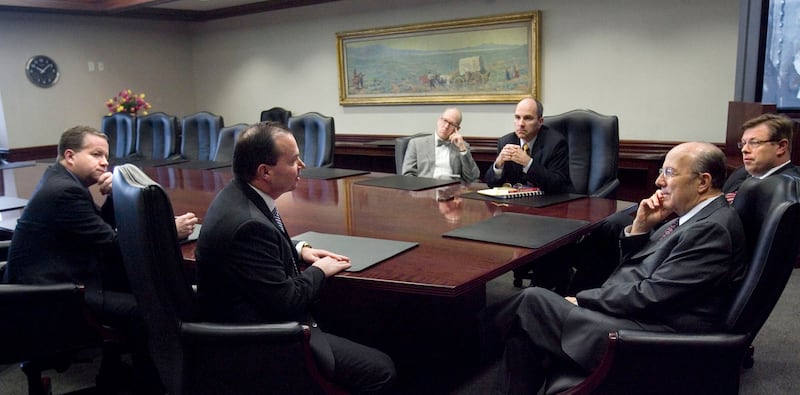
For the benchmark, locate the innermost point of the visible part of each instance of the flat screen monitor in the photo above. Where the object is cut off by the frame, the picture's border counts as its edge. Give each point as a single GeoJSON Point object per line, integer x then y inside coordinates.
{"type": "Point", "coordinates": [781, 67]}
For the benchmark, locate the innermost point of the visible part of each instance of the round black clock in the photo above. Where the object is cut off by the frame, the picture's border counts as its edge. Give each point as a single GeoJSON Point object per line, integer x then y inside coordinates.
{"type": "Point", "coordinates": [42, 71]}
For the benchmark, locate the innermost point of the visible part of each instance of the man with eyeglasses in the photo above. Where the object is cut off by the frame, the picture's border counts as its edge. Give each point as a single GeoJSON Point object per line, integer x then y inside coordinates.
{"type": "Point", "coordinates": [766, 150]}
{"type": "Point", "coordinates": [533, 154]}
{"type": "Point", "coordinates": [444, 154]}
{"type": "Point", "coordinates": [677, 276]}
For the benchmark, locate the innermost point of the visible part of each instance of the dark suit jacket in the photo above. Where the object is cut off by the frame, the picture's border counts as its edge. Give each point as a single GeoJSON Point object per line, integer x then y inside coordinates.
{"type": "Point", "coordinates": [680, 283]}
{"type": "Point", "coordinates": [549, 170]}
{"type": "Point", "coordinates": [246, 267]}
{"type": "Point", "coordinates": [420, 160]}
{"type": "Point", "coordinates": [61, 235]}
{"type": "Point", "coordinates": [738, 176]}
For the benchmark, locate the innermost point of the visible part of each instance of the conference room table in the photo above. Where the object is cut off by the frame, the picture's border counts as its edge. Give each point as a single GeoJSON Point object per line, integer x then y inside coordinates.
{"type": "Point", "coordinates": [440, 282]}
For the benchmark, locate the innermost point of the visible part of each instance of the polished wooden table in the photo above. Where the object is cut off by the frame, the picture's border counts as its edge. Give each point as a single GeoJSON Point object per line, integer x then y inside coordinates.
{"type": "Point", "coordinates": [439, 266]}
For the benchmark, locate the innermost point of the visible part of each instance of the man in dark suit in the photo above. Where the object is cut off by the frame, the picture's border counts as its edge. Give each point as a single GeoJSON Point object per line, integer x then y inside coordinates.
{"type": "Point", "coordinates": [248, 266]}
{"type": "Point", "coordinates": [766, 150]}
{"type": "Point", "coordinates": [766, 147]}
{"type": "Point", "coordinates": [442, 155]}
{"type": "Point", "coordinates": [675, 277]}
{"type": "Point", "coordinates": [62, 236]}
{"type": "Point", "coordinates": [533, 154]}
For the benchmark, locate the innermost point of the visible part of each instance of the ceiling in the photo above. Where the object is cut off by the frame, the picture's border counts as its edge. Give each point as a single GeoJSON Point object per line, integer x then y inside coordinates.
{"type": "Point", "coordinates": [187, 10]}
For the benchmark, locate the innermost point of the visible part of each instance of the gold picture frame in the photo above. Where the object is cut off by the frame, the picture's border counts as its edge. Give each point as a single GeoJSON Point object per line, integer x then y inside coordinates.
{"type": "Point", "coordinates": [491, 59]}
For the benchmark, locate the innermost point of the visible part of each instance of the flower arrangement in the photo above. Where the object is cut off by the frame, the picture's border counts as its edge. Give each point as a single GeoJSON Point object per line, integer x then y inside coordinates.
{"type": "Point", "coordinates": [128, 102]}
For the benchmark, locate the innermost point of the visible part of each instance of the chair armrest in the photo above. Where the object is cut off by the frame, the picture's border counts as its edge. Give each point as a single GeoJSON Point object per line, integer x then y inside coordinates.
{"type": "Point", "coordinates": [607, 190]}
{"type": "Point", "coordinates": [206, 332]}
{"type": "Point", "coordinates": [706, 363]}
{"type": "Point", "coordinates": [235, 358]}
{"type": "Point", "coordinates": [42, 320]}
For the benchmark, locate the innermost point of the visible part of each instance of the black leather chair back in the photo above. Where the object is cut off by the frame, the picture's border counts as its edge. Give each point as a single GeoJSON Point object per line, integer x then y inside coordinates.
{"type": "Point", "coordinates": [120, 130]}
{"type": "Point", "coordinates": [593, 141]}
{"type": "Point", "coordinates": [199, 135]}
{"type": "Point", "coordinates": [770, 212]}
{"type": "Point", "coordinates": [195, 357]}
{"type": "Point", "coordinates": [276, 114]}
{"type": "Point", "coordinates": [227, 140]}
{"type": "Point", "coordinates": [156, 136]}
{"type": "Point", "coordinates": [400, 147]}
{"type": "Point", "coordinates": [315, 135]}
{"type": "Point", "coordinates": [154, 264]}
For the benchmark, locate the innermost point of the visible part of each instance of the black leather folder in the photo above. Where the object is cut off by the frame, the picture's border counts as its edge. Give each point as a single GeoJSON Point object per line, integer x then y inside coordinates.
{"type": "Point", "coordinates": [521, 230]}
{"type": "Point", "coordinates": [408, 183]}
{"type": "Point", "coordinates": [362, 251]}
{"type": "Point", "coordinates": [328, 173]}
{"type": "Point", "coordinates": [527, 201]}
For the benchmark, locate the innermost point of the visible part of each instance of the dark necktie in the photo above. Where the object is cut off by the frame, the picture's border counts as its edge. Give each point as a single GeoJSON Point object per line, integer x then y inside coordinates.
{"type": "Point", "coordinates": [670, 228]}
{"type": "Point", "coordinates": [277, 217]}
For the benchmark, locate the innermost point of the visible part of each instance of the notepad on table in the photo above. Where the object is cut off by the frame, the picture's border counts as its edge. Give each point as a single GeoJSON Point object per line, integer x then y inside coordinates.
{"type": "Point", "coordinates": [511, 192]}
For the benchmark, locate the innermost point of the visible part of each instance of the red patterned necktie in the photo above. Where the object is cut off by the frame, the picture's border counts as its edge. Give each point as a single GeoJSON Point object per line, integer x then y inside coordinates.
{"type": "Point", "coordinates": [670, 228]}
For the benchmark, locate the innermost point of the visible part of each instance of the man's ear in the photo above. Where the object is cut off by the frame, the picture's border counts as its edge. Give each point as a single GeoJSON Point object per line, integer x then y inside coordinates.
{"type": "Point", "coordinates": [705, 182]}
{"type": "Point", "coordinates": [69, 155]}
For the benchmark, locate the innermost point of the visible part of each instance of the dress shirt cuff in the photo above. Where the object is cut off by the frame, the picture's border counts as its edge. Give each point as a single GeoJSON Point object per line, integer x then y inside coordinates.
{"type": "Point", "coordinates": [299, 247]}
{"type": "Point", "coordinates": [627, 232]}
{"type": "Point", "coordinates": [528, 166]}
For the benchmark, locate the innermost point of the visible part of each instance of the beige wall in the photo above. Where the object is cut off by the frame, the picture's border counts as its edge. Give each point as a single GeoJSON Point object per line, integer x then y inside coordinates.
{"type": "Point", "coordinates": [666, 68]}
{"type": "Point", "coordinates": [152, 57]}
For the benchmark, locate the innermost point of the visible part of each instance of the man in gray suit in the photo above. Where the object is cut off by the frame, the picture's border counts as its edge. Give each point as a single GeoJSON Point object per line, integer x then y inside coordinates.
{"type": "Point", "coordinates": [442, 155]}
{"type": "Point", "coordinates": [675, 277]}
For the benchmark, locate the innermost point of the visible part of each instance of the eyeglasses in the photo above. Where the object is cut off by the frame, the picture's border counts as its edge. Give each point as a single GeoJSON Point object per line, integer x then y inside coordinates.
{"type": "Point", "coordinates": [669, 172]}
{"type": "Point", "coordinates": [753, 144]}
{"type": "Point", "coordinates": [450, 124]}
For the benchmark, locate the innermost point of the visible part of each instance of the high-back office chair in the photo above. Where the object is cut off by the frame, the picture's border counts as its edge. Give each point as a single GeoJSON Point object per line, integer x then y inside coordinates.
{"type": "Point", "coordinates": [156, 136]}
{"type": "Point", "coordinates": [120, 130]}
{"type": "Point", "coordinates": [43, 326]}
{"type": "Point", "coordinates": [400, 148]}
{"type": "Point", "coordinates": [199, 135]}
{"type": "Point", "coordinates": [315, 135]}
{"type": "Point", "coordinates": [276, 114]}
{"type": "Point", "coordinates": [710, 363]}
{"type": "Point", "coordinates": [593, 141]}
{"type": "Point", "coordinates": [194, 357]}
{"type": "Point", "coordinates": [227, 140]}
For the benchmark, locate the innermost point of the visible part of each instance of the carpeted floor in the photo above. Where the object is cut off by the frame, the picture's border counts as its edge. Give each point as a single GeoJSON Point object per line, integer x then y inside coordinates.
{"type": "Point", "coordinates": [775, 372]}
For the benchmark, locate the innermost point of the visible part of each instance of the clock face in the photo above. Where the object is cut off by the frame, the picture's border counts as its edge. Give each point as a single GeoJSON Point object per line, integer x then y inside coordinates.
{"type": "Point", "coordinates": [42, 71]}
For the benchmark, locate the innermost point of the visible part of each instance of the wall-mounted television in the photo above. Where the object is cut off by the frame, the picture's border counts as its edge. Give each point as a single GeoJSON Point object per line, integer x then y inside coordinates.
{"type": "Point", "coordinates": [781, 66]}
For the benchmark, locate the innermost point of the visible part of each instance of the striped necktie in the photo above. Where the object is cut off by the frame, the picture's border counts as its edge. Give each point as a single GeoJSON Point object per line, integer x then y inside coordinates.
{"type": "Point", "coordinates": [277, 217]}
{"type": "Point", "coordinates": [670, 228]}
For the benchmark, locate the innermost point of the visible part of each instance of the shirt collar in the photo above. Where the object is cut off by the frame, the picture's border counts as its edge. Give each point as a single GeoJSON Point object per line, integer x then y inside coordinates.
{"type": "Point", "coordinates": [773, 170]}
{"type": "Point", "coordinates": [267, 199]}
{"type": "Point", "coordinates": [696, 209]}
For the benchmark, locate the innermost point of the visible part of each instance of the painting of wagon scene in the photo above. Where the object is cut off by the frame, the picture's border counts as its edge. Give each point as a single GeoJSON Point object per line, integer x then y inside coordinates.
{"type": "Point", "coordinates": [473, 61]}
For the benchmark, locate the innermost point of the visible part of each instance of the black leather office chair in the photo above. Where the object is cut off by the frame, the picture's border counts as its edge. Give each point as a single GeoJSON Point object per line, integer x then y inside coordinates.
{"type": "Point", "coordinates": [43, 327]}
{"type": "Point", "coordinates": [227, 140]}
{"type": "Point", "coordinates": [194, 357]}
{"type": "Point", "coordinates": [156, 136]}
{"type": "Point", "coordinates": [315, 135]}
{"type": "Point", "coordinates": [120, 130]}
{"type": "Point", "coordinates": [199, 135]}
{"type": "Point", "coordinates": [276, 114]}
{"type": "Point", "coordinates": [593, 141]}
{"type": "Point", "coordinates": [400, 147]}
{"type": "Point", "coordinates": [671, 363]}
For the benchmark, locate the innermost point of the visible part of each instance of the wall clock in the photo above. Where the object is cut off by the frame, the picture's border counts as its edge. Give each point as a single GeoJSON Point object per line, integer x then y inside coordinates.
{"type": "Point", "coordinates": [42, 71]}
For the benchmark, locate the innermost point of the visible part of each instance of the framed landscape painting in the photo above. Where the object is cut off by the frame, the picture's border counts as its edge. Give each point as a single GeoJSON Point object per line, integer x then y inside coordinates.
{"type": "Point", "coordinates": [482, 60]}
